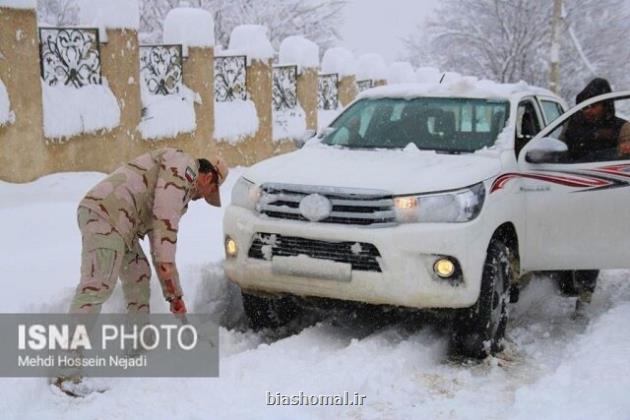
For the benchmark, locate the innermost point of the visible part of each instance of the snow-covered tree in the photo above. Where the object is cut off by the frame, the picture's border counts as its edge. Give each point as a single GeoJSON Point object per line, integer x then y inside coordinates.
{"type": "Point", "coordinates": [57, 12]}
{"type": "Point", "coordinates": [318, 20]}
{"type": "Point", "coordinates": [510, 41]}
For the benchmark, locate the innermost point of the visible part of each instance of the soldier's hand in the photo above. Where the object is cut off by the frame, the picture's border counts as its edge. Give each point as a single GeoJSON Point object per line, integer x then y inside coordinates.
{"type": "Point", "coordinates": [178, 307]}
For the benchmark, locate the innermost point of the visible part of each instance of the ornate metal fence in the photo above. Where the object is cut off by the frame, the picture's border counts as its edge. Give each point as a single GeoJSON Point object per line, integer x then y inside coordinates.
{"type": "Point", "coordinates": [284, 90]}
{"type": "Point", "coordinates": [327, 91]}
{"type": "Point", "coordinates": [70, 56]}
{"type": "Point", "coordinates": [230, 83]}
{"type": "Point", "coordinates": [365, 84]}
{"type": "Point", "coordinates": [161, 68]}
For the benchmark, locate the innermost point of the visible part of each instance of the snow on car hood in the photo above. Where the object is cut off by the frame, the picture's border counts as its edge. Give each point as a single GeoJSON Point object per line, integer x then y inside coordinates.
{"type": "Point", "coordinates": [404, 171]}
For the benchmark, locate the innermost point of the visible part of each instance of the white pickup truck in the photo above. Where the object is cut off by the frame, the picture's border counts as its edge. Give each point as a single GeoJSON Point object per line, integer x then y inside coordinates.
{"type": "Point", "coordinates": [429, 196]}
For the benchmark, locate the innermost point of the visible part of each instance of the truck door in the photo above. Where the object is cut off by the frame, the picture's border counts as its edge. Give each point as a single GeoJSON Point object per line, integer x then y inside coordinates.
{"type": "Point", "coordinates": [578, 200]}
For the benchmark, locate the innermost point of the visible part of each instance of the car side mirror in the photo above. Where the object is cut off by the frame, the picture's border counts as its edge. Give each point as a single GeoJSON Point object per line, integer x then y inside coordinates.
{"type": "Point", "coordinates": [301, 141]}
{"type": "Point", "coordinates": [546, 150]}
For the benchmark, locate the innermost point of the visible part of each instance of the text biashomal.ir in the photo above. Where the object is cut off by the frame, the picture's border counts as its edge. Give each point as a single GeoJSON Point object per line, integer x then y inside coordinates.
{"type": "Point", "coordinates": [301, 398]}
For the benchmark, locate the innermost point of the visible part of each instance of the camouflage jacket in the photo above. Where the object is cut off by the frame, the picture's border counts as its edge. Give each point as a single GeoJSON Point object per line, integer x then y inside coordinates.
{"type": "Point", "coordinates": [148, 195]}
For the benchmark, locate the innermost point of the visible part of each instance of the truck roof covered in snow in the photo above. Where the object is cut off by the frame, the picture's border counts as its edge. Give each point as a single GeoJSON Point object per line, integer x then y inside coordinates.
{"type": "Point", "coordinates": [465, 87]}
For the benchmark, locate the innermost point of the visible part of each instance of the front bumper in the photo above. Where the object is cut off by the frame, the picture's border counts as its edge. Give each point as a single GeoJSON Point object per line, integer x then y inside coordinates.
{"type": "Point", "coordinates": [407, 254]}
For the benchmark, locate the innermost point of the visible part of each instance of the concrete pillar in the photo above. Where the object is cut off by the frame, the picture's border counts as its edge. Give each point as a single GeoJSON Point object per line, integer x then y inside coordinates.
{"type": "Point", "coordinates": [307, 96]}
{"type": "Point", "coordinates": [22, 150]}
{"type": "Point", "coordinates": [120, 63]}
{"type": "Point", "coordinates": [347, 90]}
{"type": "Point", "coordinates": [198, 69]}
{"type": "Point", "coordinates": [259, 82]}
{"type": "Point", "coordinates": [199, 76]}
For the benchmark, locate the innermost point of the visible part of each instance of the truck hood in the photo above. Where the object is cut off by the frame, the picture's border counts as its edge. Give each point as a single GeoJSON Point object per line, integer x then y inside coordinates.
{"type": "Point", "coordinates": [406, 171]}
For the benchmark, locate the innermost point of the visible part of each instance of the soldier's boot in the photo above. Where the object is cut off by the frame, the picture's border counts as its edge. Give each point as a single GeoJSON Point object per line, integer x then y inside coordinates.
{"type": "Point", "coordinates": [585, 280]}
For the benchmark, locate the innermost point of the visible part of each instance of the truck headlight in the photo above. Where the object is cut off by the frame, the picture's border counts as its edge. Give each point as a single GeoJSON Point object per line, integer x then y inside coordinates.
{"type": "Point", "coordinates": [245, 194]}
{"type": "Point", "coordinates": [455, 206]}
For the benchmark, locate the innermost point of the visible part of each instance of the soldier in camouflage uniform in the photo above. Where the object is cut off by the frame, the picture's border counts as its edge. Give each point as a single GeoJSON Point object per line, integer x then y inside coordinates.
{"type": "Point", "coordinates": [146, 196]}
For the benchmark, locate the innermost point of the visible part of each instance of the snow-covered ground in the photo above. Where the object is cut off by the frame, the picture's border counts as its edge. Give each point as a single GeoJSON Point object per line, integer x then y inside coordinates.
{"type": "Point", "coordinates": [553, 367]}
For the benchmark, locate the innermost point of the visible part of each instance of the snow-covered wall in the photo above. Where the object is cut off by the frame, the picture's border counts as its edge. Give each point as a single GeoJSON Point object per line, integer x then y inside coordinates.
{"type": "Point", "coordinates": [110, 14]}
{"type": "Point", "coordinates": [19, 4]}
{"type": "Point", "coordinates": [190, 27]}
{"type": "Point", "coordinates": [166, 116]}
{"type": "Point", "coordinates": [235, 120]}
{"type": "Point", "coordinates": [252, 41]}
{"type": "Point", "coordinates": [6, 115]}
{"type": "Point", "coordinates": [70, 111]}
{"type": "Point", "coordinates": [289, 124]}
{"type": "Point", "coordinates": [299, 51]}
{"type": "Point", "coordinates": [339, 60]}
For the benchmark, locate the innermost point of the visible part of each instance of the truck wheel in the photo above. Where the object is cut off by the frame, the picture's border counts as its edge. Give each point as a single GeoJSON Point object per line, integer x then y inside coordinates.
{"type": "Point", "coordinates": [268, 312]}
{"type": "Point", "coordinates": [478, 331]}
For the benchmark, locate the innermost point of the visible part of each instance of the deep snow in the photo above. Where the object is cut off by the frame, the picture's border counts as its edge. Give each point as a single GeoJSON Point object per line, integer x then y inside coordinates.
{"type": "Point", "coordinates": [553, 367]}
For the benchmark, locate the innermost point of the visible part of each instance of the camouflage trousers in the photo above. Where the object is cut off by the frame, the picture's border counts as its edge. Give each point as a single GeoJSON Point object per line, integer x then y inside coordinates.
{"type": "Point", "coordinates": [105, 257]}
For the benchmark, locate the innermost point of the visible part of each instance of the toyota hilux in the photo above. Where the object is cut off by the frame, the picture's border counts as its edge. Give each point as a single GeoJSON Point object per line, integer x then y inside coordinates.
{"type": "Point", "coordinates": [429, 197]}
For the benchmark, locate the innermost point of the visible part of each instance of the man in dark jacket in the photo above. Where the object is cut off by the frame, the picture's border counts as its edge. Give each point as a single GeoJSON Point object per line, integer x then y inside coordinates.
{"type": "Point", "coordinates": [595, 133]}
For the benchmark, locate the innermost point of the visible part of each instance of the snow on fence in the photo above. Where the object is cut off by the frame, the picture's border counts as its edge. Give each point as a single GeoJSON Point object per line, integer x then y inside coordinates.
{"type": "Point", "coordinates": [70, 56]}
{"type": "Point", "coordinates": [284, 88]}
{"type": "Point", "coordinates": [161, 68]}
{"type": "Point", "coordinates": [365, 84]}
{"type": "Point", "coordinates": [106, 92]}
{"type": "Point", "coordinates": [230, 81]}
{"type": "Point", "coordinates": [168, 105]}
{"type": "Point", "coordinates": [74, 98]}
{"type": "Point", "coordinates": [328, 92]}
{"type": "Point", "coordinates": [289, 119]}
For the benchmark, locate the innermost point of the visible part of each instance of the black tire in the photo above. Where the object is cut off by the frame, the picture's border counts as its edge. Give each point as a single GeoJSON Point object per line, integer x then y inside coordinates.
{"type": "Point", "coordinates": [572, 282]}
{"type": "Point", "coordinates": [478, 331]}
{"type": "Point", "coordinates": [269, 312]}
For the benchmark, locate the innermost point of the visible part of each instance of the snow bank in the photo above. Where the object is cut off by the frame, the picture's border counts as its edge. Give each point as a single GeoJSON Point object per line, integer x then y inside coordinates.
{"type": "Point", "coordinates": [234, 120]}
{"type": "Point", "coordinates": [6, 116]}
{"type": "Point", "coordinates": [428, 75]}
{"type": "Point", "coordinates": [339, 60]}
{"type": "Point", "coordinates": [19, 4]}
{"type": "Point", "coordinates": [462, 87]}
{"type": "Point", "coordinates": [166, 116]}
{"type": "Point", "coordinates": [593, 377]}
{"type": "Point", "coordinates": [289, 124]}
{"type": "Point", "coordinates": [114, 14]}
{"type": "Point", "coordinates": [299, 50]}
{"type": "Point", "coordinates": [190, 27]}
{"type": "Point", "coordinates": [372, 67]}
{"type": "Point", "coordinates": [401, 72]}
{"type": "Point", "coordinates": [70, 111]}
{"type": "Point", "coordinates": [252, 41]}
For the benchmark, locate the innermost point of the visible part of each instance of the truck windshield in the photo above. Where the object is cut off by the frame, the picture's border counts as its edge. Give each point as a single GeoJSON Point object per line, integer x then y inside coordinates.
{"type": "Point", "coordinates": [443, 124]}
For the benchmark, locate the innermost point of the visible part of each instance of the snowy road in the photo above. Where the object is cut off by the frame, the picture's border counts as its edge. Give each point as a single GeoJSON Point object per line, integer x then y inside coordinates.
{"type": "Point", "coordinates": [552, 368]}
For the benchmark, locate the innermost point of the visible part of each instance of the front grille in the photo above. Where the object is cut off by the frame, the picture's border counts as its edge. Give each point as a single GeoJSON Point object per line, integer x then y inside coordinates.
{"type": "Point", "coordinates": [349, 207]}
{"type": "Point", "coordinates": [362, 256]}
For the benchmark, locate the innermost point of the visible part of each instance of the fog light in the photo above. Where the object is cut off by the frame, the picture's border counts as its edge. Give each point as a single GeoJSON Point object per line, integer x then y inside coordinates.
{"type": "Point", "coordinates": [444, 268]}
{"type": "Point", "coordinates": [230, 247]}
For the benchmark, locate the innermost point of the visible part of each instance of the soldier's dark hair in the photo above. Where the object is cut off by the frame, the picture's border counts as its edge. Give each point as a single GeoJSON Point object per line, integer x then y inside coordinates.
{"type": "Point", "coordinates": [205, 166]}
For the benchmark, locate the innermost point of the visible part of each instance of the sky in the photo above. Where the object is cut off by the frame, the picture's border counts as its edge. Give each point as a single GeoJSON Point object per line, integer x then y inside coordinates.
{"type": "Point", "coordinates": [378, 25]}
